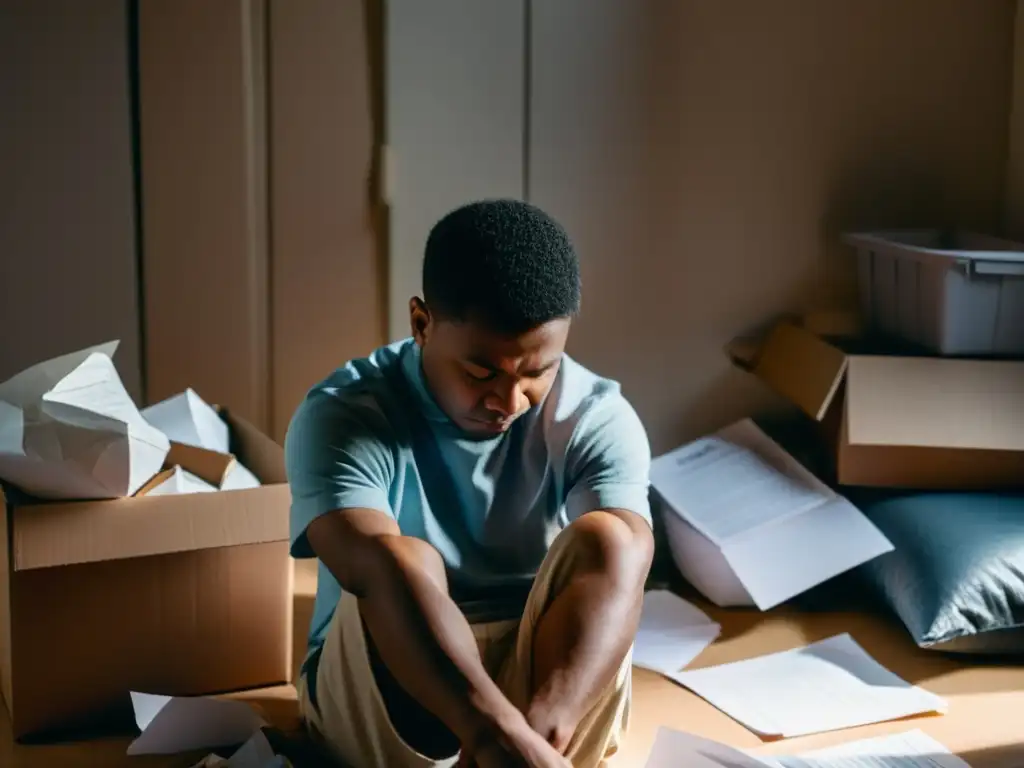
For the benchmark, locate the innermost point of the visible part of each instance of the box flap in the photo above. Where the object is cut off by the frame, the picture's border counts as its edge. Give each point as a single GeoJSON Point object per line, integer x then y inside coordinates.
{"type": "Point", "coordinates": [935, 403]}
{"type": "Point", "coordinates": [47, 535]}
{"type": "Point", "coordinates": [802, 368]}
{"type": "Point", "coordinates": [158, 479]}
{"type": "Point", "coordinates": [211, 466]}
{"type": "Point", "coordinates": [257, 452]}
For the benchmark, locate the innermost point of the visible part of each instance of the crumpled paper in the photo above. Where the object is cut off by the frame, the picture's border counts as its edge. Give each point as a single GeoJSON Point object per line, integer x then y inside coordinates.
{"type": "Point", "coordinates": [70, 430]}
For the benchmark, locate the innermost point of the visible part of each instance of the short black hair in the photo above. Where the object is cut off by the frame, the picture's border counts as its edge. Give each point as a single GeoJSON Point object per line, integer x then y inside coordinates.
{"type": "Point", "coordinates": [504, 263]}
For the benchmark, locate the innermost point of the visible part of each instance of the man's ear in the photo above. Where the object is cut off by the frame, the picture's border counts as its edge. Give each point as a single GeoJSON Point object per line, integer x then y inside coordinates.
{"type": "Point", "coordinates": [419, 319]}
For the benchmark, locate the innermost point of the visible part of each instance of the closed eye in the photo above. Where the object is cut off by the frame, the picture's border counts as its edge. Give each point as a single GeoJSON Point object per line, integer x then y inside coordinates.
{"type": "Point", "coordinates": [479, 377]}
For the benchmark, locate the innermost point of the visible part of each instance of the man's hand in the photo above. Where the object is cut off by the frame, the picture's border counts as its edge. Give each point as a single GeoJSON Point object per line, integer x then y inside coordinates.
{"type": "Point", "coordinates": [421, 636]}
{"type": "Point", "coordinates": [517, 746]}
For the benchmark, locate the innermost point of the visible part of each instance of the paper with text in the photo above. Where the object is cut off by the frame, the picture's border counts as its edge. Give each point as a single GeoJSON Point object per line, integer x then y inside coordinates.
{"type": "Point", "coordinates": [672, 633]}
{"type": "Point", "coordinates": [172, 724]}
{"type": "Point", "coordinates": [825, 686]}
{"type": "Point", "coordinates": [912, 749]}
{"type": "Point", "coordinates": [747, 524]}
{"type": "Point", "coordinates": [732, 483]}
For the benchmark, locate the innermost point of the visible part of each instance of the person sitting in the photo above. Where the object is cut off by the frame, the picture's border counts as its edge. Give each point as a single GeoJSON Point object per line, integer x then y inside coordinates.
{"type": "Point", "coordinates": [478, 503]}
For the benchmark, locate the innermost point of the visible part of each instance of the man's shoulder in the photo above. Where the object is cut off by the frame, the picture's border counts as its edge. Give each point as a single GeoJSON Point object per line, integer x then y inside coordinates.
{"type": "Point", "coordinates": [366, 389]}
{"type": "Point", "coordinates": [579, 390]}
{"type": "Point", "coordinates": [584, 406]}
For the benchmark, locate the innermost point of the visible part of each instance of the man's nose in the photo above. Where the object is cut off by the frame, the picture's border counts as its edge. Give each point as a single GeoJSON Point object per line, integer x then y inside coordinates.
{"type": "Point", "coordinates": [506, 400]}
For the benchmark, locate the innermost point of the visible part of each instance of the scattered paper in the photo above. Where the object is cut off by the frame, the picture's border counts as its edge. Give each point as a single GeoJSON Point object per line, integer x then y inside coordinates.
{"type": "Point", "coordinates": [239, 478]}
{"type": "Point", "coordinates": [255, 753]}
{"type": "Point", "coordinates": [70, 430]}
{"type": "Point", "coordinates": [913, 749]}
{"type": "Point", "coordinates": [825, 686]}
{"type": "Point", "coordinates": [672, 633]}
{"type": "Point", "coordinates": [172, 724]}
{"type": "Point", "coordinates": [749, 525]}
{"type": "Point", "coordinates": [676, 749]}
{"type": "Point", "coordinates": [187, 418]}
{"type": "Point", "coordinates": [180, 481]}
{"type": "Point", "coordinates": [726, 488]}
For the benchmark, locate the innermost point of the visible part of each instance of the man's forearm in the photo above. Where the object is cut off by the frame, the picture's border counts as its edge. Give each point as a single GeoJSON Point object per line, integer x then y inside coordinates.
{"type": "Point", "coordinates": [427, 644]}
{"type": "Point", "coordinates": [588, 628]}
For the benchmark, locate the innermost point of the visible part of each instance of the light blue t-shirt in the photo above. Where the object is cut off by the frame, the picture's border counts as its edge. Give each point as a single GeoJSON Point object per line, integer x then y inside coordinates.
{"type": "Point", "coordinates": [372, 436]}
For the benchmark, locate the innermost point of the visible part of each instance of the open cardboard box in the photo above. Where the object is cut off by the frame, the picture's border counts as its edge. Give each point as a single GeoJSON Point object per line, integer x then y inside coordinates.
{"type": "Point", "coordinates": [181, 595]}
{"type": "Point", "coordinates": [900, 421]}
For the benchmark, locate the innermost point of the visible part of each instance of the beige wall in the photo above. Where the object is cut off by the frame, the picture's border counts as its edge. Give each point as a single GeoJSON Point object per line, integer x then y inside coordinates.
{"type": "Point", "coordinates": [1014, 211]}
{"type": "Point", "coordinates": [328, 283]}
{"type": "Point", "coordinates": [705, 156]}
{"type": "Point", "coordinates": [205, 272]}
{"type": "Point", "coordinates": [67, 251]}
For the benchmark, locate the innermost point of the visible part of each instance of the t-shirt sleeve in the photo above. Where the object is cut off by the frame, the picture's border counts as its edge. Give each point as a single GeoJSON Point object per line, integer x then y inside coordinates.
{"type": "Point", "coordinates": [338, 455]}
{"type": "Point", "coordinates": [608, 462]}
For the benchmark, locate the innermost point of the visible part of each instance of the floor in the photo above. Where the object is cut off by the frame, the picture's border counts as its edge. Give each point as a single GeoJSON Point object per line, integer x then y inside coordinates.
{"type": "Point", "coordinates": [982, 725]}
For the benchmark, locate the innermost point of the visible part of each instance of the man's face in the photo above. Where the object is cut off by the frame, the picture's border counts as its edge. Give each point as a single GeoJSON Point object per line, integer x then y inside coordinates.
{"type": "Point", "coordinates": [482, 380]}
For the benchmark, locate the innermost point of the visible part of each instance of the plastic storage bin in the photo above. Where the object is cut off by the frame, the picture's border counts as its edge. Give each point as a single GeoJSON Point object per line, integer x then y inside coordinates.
{"type": "Point", "coordinates": [953, 293]}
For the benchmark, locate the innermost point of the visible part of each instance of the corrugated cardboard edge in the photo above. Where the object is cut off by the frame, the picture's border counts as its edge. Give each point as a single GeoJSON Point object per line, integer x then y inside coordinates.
{"type": "Point", "coordinates": [156, 480]}
{"type": "Point", "coordinates": [211, 466]}
{"type": "Point", "coordinates": [6, 629]}
{"type": "Point", "coordinates": [934, 469]}
{"type": "Point", "coordinates": [48, 535]}
{"type": "Point", "coordinates": [801, 367]}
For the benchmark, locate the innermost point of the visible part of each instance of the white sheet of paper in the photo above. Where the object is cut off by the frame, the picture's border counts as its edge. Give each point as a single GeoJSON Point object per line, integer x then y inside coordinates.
{"type": "Point", "coordinates": [732, 483]}
{"type": "Point", "coordinates": [255, 753]}
{"type": "Point", "coordinates": [182, 481]}
{"type": "Point", "coordinates": [172, 724]}
{"type": "Point", "coordinates": [672, 632]}
{"type": "Point", "coordinates": [676, 749]}
{"type": "Point", "coordinates": [70, 430]}
{"type": "Point", "coordinates": [749, 525]}
{"type": "Point", "coordinates": [789, 558]}
{"type": "Point", "coordinates": [187, 418]}
{"type": "Point", "coordinates": [825, 686]}
{"type": "Point", "coordinates": [912, 749]}
{"type": "Point", "coordinates": [238, 478]}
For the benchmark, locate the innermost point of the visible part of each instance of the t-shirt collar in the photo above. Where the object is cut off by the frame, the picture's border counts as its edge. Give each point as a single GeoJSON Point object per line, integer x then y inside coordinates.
{"type": "Point", "coordinates": [412, 367]}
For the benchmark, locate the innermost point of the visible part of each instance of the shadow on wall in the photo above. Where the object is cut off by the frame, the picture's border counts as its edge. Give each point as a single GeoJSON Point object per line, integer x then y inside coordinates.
{"type": "Point", "coordinates": [706, 164]}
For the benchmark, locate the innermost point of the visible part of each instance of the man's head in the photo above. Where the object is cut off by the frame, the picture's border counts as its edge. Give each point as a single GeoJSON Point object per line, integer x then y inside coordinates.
{"type": "Point", "coordinates": [501, 284]}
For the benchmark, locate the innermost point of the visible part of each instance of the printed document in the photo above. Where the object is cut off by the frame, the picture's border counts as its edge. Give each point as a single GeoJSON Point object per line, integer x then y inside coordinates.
{"type": "Point", "coordinates": [747, 524]}
{"type": "Point", "coordinates": [913, 749]}
{"type": "Point", "coordinates": [826, 686]}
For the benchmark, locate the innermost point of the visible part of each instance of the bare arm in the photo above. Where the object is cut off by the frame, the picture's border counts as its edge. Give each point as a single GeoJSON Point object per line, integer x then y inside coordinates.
{"type": "Point", "coordinates": [421, 635]}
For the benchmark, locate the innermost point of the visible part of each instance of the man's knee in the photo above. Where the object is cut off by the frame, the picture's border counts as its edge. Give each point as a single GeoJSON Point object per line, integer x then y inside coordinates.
{"type": "Point", "coordinates": [619, 544]}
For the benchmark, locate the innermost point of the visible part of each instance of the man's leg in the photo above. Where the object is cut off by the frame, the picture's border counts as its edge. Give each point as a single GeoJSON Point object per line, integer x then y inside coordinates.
{"type": "Point", "coordinates": [576, 636]}
{"type": "Point", "coordinates": [362, 713]}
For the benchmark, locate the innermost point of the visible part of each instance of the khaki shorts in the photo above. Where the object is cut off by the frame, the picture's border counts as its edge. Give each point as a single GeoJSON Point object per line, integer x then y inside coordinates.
{"type": "Point", "coordinates": [351, 717]}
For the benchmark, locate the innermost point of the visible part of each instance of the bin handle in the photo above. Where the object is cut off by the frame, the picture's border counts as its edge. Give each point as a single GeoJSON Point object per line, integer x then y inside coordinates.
{"type": "Point", "coordinates": [1000, 268]}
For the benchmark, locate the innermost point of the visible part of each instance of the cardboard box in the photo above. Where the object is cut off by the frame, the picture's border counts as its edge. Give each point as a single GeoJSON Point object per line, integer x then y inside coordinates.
{"type": "Point", "coordinates": [900, 421]}
{"type": "Point", "coordinates": [179, 595]}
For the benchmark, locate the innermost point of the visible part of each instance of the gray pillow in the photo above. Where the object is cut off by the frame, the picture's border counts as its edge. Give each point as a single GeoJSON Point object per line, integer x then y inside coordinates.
{"type": "Point", "coordinates": [956, 576]}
